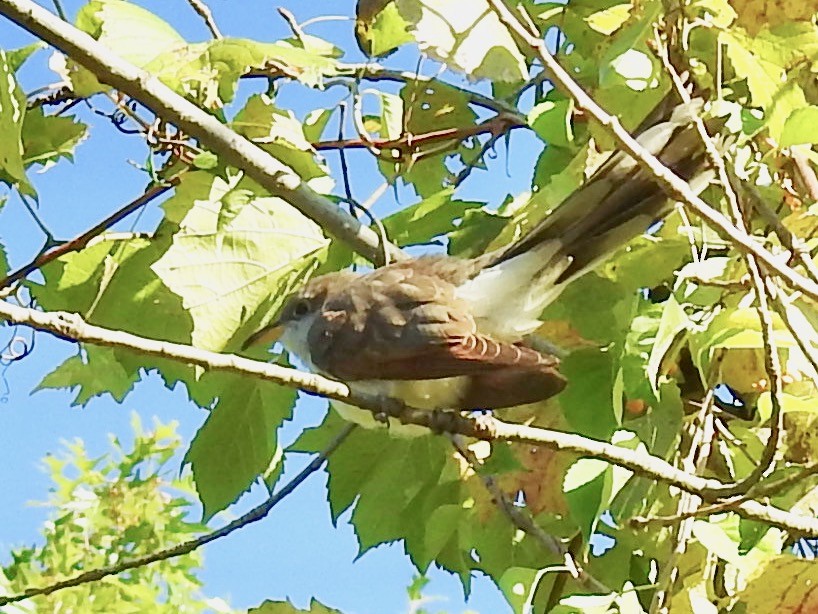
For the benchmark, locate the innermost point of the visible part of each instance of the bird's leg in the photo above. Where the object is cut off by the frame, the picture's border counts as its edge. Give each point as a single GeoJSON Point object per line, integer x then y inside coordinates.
{"type": "Point", "coordinates": [389, 407]}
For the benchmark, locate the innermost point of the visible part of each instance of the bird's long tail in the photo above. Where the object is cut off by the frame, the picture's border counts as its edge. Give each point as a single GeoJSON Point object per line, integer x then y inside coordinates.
{"type": "Point", "coordinates": [620, 201]}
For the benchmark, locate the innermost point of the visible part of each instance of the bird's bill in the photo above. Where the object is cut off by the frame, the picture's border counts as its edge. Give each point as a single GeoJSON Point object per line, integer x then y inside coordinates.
{"type": "Point", "coordinates": [267, 335]}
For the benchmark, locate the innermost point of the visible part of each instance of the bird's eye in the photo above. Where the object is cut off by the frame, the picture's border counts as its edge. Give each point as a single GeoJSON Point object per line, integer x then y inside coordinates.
{"type": "Point", "coordinates": [301, 308]}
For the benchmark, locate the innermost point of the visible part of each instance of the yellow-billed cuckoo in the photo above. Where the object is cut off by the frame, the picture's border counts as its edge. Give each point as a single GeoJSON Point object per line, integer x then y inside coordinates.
{"type": "Point", "coordinates": [440, 332]}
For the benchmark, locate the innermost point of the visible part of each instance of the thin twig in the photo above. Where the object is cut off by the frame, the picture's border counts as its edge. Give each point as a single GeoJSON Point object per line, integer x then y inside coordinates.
{"type": "Point", "coordinates": [672, 184]}
{"type": "Point", "coordinates": [298, 31]}
{"type": "Point", "coordinates": [49, 238]}
{"type": "Point", "coordinates": [60, 10]}
{"type": "Point", "coordinates": [798, 248]}
{"type": "Point", "coordinates": [271, 173]}
{"type": "Point", "coordinates": [489, 144]}
{"type": "Point", "coordinates": [254, 515]}
{"type": "Point", "coordinates": [726, 284]}
{"type": "Point", "coordinates": [701, 441]}
{"type": "Point", "coordinates": [496, 126]}
{"type": "Point", "coordinates": [80, 241]}
{"type": "Point", "coordinates": [782, 308]}
{"type": "Point", "coordinates": [205, 13]}
{"type": "Point", "coordinates": [763, 489]}
{"type": "Point", "coordinates": [806, 172]}
{"type": "Point", "coordinates": [773, 364]}
{"type": "Point", "coordinates": [488, 428]}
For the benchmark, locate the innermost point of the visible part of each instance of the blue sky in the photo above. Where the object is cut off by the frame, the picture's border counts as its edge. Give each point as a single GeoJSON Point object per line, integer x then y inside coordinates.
{"type": "Point", "coordinates": [295, 552]}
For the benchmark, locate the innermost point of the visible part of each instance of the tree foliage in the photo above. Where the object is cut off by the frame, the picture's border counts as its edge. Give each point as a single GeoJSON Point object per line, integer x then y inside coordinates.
{"type": "Point", "coordinates": [653, 338]}
{"type": "Point", "coordinates": [103, 510]}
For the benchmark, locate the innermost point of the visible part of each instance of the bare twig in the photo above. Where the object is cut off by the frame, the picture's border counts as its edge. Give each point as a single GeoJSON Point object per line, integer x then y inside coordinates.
{"type": "Point", "coordinates": [254, 515]}
{"type": "Point", "coordinates": [782, 303]}
{"type": "Point", "coordinates": [489, 144]}
{"type": "Point", "coordinates": [80, 241]}
{"type": "Point", "coordinates": [268, 171]}
{"type": "Point", "coordinates": [205, 13]}
{"type": "Point", "coordinates": [795, 244]}
{"type": "Point", "coordinates": [694, 462]}
{"type": "Point", "coordinates": [772, 360]}
{"type": "Point", "coordinates": [672, 184]}
{"type": "Point", "coordinates": [759, 490]}
{"type": "Point", "coordinates": [71, 326]}
{"type": "Point", "coordinates": [298, 31]}
{"type": "Point", "coordinates": [806, 172]}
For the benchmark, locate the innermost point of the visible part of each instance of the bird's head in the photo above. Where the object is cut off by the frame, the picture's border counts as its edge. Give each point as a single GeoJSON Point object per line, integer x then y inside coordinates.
{"type": "Point", "coordinates": [298, 314]}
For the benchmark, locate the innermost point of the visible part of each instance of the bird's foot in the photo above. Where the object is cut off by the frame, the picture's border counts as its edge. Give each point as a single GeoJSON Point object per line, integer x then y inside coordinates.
{"type": "Point", "coordinates": [483, 419]}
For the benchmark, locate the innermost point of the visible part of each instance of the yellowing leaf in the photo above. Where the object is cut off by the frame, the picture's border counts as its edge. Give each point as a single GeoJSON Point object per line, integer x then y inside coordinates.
{"type": "Point", "coordinates": [608, 21]}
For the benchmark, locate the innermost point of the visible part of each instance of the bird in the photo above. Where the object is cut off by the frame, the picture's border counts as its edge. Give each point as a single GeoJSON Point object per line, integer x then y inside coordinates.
{"type": "Point", "coordinates": [441, 332]}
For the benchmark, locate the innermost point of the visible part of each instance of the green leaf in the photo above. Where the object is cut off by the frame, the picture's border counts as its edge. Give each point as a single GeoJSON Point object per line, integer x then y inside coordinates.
{"type": "Point", "coordinates": [590, 485]}
{"type": "Point", "coordinates": [589, 407]}
{"type": "Point", "coordinates": [205, 161]}
{"type": "Point", "coordinates": [282, 135]}
{"type": "Point", "coordinates": [730, 349]}
{"type": "Point", "coordinates": [763, 60]}
{"type": "Point", "coordinates": [430, 218]}
{"type": "Point", "coordinates": [238, 442]}
{"type": "Point", "coordinates": [801, 127]}
{"type": "Point", "coordinates": [467, 37]}
{"type": "Point", "coordinates": [17, 57]}
{"type": "Point", "coordinates": [133, 33]}
{"type": "Point", "coordinates": [127, 502]}
{"type": "Point", "coordinates": [379, 27]}
{"type": "Point", "coordinates": [285, 607]}
{"type": "Point", "coordinates": [315, 123]}
{"type": "Point", "coordinates": [673, 322]}
{"type": "Point", "coordinates": [205, 72]}
{"type": "Point", "coordinates": [110, 283]}
{"type": "Point", "coordinates": [551, 120]}
{"type": "Point", "coordinates": [47, 138]}
{"type": "Point", "coordinates": [435, 106]}
{"type": "Point", "coordinates": [4, 263]}
{"type": "Point", "coordinates": [587, 489]}
{"type": "Point", "coordinates": [789, 403]}
{"type": "Point", "coordinates": [235, 254]}
{"type": "Point", "coordinates": [12, 115]}
{"type": "Point", "coordinates": [97, 371]}
{"type": "Point", "coordinates": [475, 232]}
{"type": "Point", "coordinates": [609, 20]}
{"type": "Point", "coordinates": [391, 115]}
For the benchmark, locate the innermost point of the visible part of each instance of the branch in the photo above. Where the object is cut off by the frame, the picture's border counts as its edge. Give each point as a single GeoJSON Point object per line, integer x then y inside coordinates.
{"type": "Point", "coordinates": [771, 359]}
{"type": "Point", "coordinates": [204, 12]}
{"type": "Point", "coordinates": [80, 241]}
{"type": "Point", "coordinates": [525, 522]}
{"type": "Point", "coordinates": [269, 172]}
{"type": "Point", "coordinates": [496, 127]}
{"type": "Point", "coordinates": [254, 515]}
{"type": "Point", "coordinates": [672, 184]}
{"type": "Point", "coordinates": [375, 72]}
{"type": "Point", "coordinates": [71, 326]}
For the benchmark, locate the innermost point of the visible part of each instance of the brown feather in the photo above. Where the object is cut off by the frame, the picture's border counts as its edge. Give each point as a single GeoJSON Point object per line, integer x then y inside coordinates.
{"type": "Point", "coordinates": [404, 322]}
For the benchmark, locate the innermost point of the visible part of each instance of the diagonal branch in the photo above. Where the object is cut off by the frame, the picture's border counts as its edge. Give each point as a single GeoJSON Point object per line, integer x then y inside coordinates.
{"type": "Point", "coordinates": [237, 151]}
{"type": "Point", "coordinates": [672, 184]}
{"type": "Point", "coordinates": [71, 326]}
{"type": "Point", "coordinates": [254, 515]}
{"type": "Point", "coordinates": [80, 241]}
{"type": "Point", "coordinates": [772, 361]}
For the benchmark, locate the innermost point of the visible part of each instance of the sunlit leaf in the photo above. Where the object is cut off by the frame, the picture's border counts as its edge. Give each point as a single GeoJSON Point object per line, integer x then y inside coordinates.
{"type": "Point", "coordinates": [242, 427]}
{"type": "Point", "coordinates": [234, 251]}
